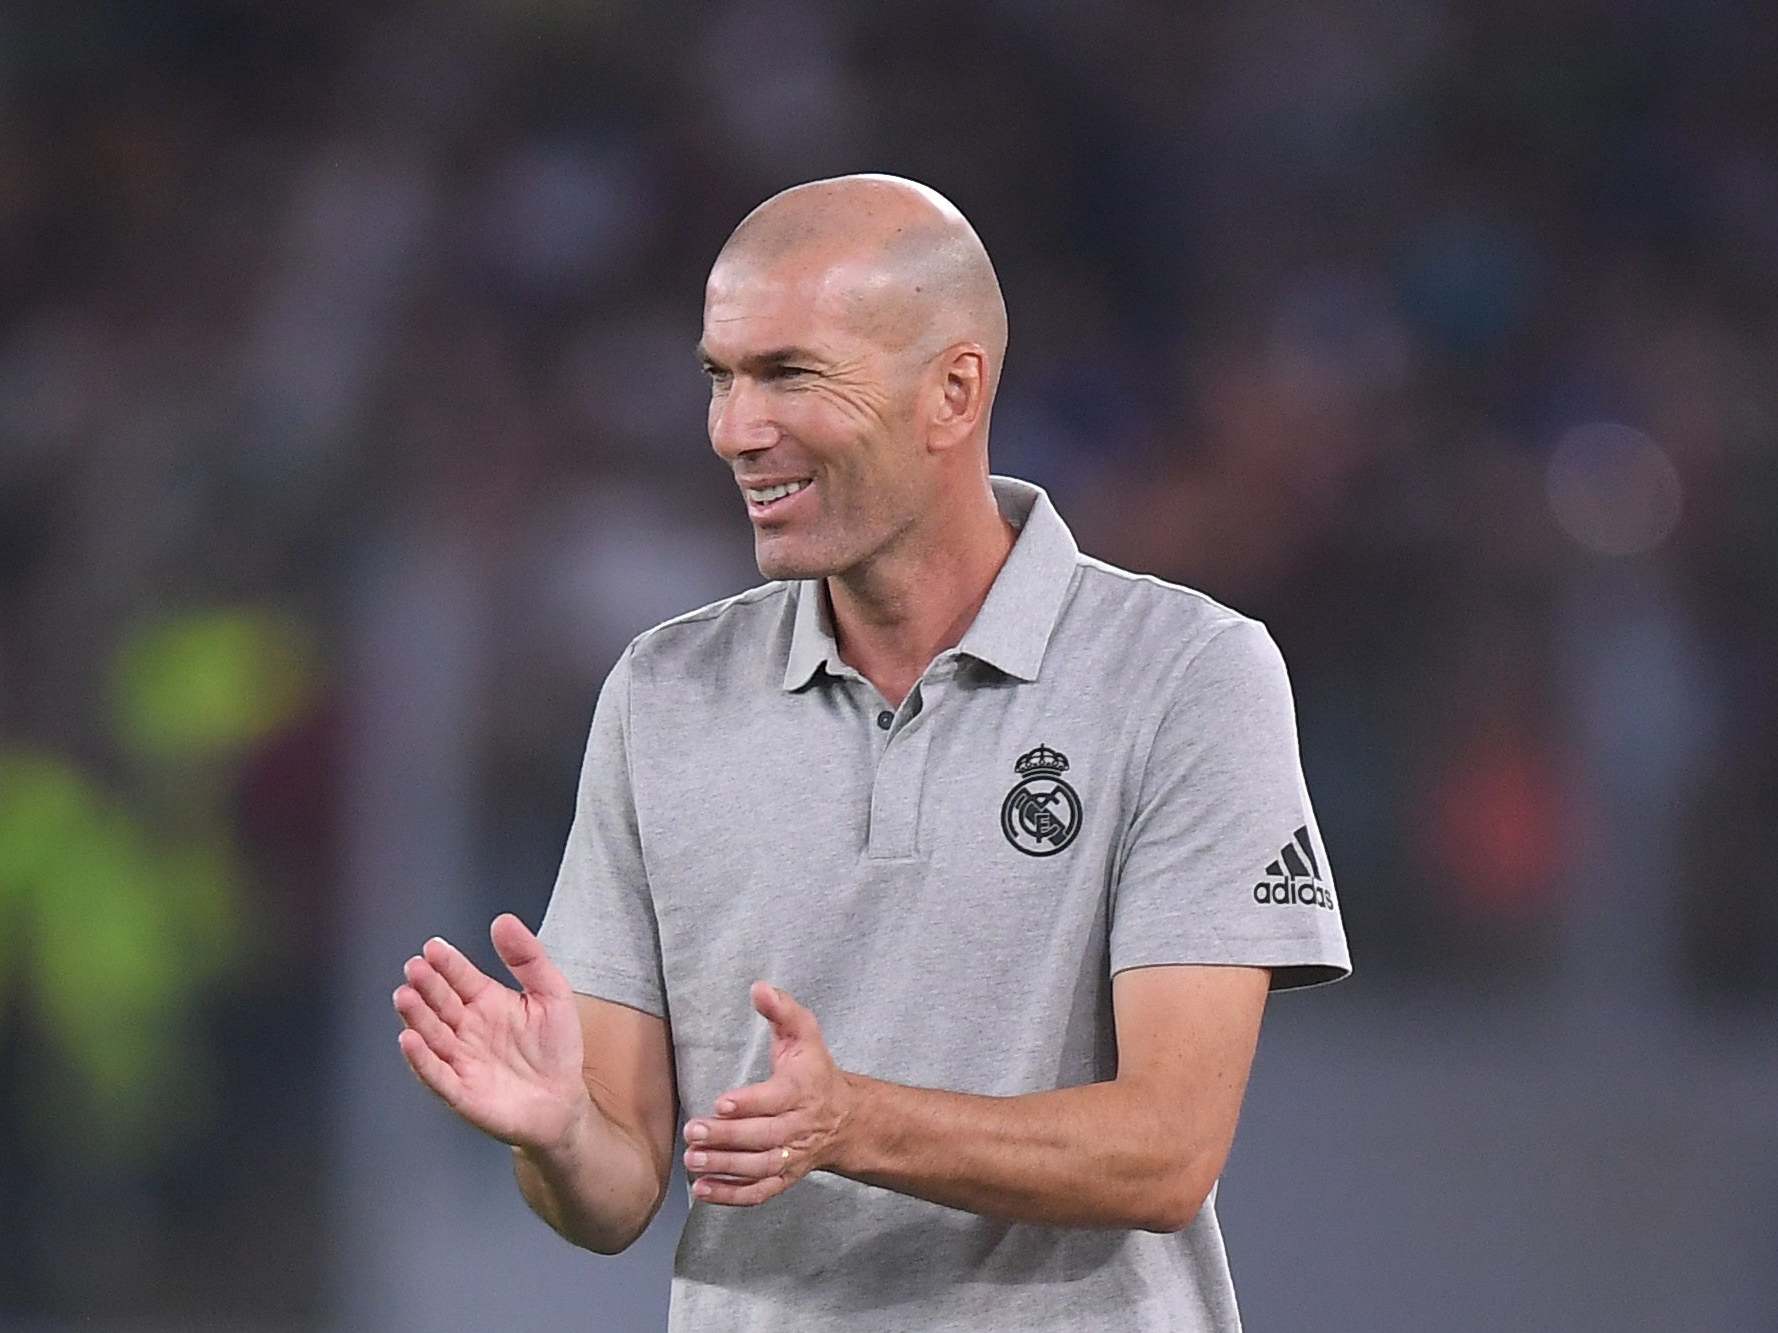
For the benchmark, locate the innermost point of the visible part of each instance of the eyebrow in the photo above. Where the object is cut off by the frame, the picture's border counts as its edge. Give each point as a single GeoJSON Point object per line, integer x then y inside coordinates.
{"type": "Point", "coordinates": [777, 356]}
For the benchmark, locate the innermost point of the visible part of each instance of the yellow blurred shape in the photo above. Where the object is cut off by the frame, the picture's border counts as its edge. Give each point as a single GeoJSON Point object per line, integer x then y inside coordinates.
{"type": "Point", "coordinates": [206, 682]}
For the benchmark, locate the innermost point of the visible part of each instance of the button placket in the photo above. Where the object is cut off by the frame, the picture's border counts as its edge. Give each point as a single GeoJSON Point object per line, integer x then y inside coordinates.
{"type": "Point", "coordinates": [901, 777]}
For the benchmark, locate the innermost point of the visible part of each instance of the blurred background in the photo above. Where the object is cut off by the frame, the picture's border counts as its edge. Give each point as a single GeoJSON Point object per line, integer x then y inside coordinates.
{"type": "Point", "coordinates": [349, 427]}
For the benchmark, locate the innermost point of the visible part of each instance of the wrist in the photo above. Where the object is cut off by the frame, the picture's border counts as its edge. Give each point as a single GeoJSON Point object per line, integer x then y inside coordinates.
{"type": "Point", "coordinates": [849, 1149]}
{"type": "Point", "coordinates": [570, 1144]}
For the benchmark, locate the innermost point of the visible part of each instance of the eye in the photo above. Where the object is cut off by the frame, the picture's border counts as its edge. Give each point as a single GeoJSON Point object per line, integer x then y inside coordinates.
{"type": "Point", "coordinates": [787, 372]}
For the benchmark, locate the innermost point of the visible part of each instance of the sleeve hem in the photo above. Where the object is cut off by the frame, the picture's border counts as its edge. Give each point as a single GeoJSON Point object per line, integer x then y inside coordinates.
{"type": "Point", "coordinates": [1289, 972]}
{"type": "Point", "coordinates": [603, 983]}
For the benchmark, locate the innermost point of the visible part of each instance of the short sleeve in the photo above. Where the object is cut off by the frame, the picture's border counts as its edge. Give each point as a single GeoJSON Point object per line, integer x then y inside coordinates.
{"type": "Point", "coordinates": [600, 926]}
{"type": "Point", "coordinates": [1222, 861]}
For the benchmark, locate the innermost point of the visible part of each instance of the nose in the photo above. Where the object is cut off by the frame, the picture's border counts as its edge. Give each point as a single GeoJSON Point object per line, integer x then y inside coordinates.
{"type": "Point", "coordinates": [741, 420]}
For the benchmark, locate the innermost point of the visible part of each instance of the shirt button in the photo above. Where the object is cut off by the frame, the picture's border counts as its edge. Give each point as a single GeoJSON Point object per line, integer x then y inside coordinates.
{"type": "Point", "coordinates": [885, 719]}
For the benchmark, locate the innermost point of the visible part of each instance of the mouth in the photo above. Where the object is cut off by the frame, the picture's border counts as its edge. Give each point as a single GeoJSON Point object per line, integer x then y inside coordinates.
{"type": "Point", "coordinates": [776, 500]}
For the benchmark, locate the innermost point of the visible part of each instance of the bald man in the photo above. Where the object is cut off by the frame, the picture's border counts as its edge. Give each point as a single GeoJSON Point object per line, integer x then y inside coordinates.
{"type": "Point", "coordinates": [1005, 846]}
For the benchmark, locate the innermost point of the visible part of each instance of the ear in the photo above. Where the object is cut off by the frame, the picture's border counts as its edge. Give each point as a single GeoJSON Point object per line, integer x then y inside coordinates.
{"type": "Point", "coordinates": [960, 405]}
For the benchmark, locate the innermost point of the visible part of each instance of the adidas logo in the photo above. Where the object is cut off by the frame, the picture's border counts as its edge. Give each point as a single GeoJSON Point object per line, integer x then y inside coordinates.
{"type": "Point", "coordinates": [1295, 877]}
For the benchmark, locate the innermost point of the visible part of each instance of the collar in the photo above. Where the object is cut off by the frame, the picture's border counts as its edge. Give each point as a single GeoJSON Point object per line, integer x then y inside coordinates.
{"type": "Point", "coordinates": [1013, 628]}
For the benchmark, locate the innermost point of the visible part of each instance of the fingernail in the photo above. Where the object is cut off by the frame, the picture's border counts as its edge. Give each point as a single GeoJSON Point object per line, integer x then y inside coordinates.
{"type": "Point", "coordinates": [700, 1159]}
{"type": "Point", "coordinates": [697, 1131]}
{"type": "Point", "coordinates": [725, 1106]}
{"type": "Point", "coordinates": [701, 1190]}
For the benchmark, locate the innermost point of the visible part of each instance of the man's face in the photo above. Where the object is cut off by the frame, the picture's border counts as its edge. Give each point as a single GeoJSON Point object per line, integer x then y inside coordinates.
{"type": "Point", "coordinates": [814, 415]}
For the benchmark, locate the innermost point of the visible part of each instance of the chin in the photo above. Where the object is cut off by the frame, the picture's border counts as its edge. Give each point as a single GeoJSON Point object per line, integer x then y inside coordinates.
{"type": "Point", "coordinates": [782, 560]}
{"type": "Point", "coordinates": [783, 565]}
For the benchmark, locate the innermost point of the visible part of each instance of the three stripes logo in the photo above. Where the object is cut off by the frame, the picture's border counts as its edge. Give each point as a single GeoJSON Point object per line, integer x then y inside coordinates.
{"type": "Point", "coordinates": [1295, 877]}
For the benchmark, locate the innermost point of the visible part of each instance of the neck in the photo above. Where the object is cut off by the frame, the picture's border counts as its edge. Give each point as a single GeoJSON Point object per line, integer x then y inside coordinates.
{"type": "Point", "coordinates": [892, 617]}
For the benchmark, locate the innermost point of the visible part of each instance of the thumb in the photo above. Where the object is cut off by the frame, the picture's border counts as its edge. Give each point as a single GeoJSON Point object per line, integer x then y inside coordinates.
{"type": "Point", "coordinates": [788, 1017]}
{"type": "Point", "coordinates": [524, 956]}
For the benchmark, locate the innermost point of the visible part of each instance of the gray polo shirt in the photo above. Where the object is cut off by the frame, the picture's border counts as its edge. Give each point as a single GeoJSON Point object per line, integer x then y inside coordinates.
{"type": "Point", "coordinates": [1102, 775]}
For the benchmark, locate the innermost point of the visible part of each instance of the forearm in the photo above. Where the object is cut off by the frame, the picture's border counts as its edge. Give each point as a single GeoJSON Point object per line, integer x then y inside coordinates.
{"type": "Point", "coordinates": [1100, 1155]}
{"type": "Point", "coordinates": [598, 1189]}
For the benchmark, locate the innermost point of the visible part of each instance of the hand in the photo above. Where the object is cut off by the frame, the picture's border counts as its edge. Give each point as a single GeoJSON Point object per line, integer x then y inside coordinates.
{"type": "Point", "coordinates": [767, 1136]}
{"type": "Point", "coordinates": [508, 1062]}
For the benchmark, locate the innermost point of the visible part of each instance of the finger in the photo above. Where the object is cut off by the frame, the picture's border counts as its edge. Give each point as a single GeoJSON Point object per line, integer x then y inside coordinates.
{"type": "Point", "coordinates": [434, 990]}
{"type": "Point", "coordinates": [432, 1071]}
{"type": "Point", "coordinates": [418, 1015]}
{"type": "Point", "coordinates": [740, 1196]}
{"type": "Point", "coordinates": [749, 1135]}
{"type": "Point", "coordinates": [748, 1165]}
{"type": "Point", "coordinates": [525, 957]}
{"type": "Point", "coordinates": [788, 1017]}
{"type": "Point", "coordinates": [464, 977]}
{"type": "Point", "coordinates": [773, 1097]}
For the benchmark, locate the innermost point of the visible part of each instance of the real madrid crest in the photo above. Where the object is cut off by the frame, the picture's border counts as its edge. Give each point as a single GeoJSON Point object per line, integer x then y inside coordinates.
{"type": "Point", "coordinates": [1041, 814]}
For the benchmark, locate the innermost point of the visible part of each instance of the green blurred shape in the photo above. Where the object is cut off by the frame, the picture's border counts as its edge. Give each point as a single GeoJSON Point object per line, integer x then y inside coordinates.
{"type": "Point", "coordinates": [116, 934]}
{"type": "Point", "coordinates": [44, 807]}
{"type": "Point", "coordinates": [206, 682]}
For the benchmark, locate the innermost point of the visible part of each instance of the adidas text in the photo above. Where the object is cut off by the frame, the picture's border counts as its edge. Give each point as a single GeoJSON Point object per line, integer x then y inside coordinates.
{"type": "Point", "coordinates": [1288, 892]}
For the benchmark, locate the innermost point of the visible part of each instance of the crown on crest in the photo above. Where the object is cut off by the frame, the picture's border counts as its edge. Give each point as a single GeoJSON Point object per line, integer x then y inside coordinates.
{"type": "Point", "coordinates": [1042, 760]}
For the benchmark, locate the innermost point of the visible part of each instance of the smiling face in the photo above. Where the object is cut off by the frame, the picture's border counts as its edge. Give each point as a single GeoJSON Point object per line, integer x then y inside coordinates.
{"type": "Point", "coordinates": [815, 405]}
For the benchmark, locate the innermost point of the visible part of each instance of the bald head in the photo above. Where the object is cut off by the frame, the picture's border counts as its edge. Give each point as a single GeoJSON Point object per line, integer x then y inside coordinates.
{"type": "Point", "coordinates": [898, 257]}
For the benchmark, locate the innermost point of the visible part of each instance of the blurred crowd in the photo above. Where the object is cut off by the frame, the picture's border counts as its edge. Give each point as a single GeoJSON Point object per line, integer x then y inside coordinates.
{"type": "Point", "coordinates": [1443, 338]}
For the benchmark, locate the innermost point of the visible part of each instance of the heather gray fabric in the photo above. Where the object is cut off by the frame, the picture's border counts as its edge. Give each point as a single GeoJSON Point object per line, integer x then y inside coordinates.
{"type": "Point", "coordinates": [950, 913]}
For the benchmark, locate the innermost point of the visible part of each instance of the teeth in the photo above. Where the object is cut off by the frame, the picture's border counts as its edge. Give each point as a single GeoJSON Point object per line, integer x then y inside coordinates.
{"type": "Point", "coordinates": [771, 493]}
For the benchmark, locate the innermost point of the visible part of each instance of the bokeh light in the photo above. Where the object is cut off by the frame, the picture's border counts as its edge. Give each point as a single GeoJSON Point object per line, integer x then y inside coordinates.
{"type": "Point", "coordinates": [1613, 489]}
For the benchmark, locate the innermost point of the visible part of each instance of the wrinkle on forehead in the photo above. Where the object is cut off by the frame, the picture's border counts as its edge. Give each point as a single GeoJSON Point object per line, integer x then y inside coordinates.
{"type": "Point", "coordinates": [892, 259]}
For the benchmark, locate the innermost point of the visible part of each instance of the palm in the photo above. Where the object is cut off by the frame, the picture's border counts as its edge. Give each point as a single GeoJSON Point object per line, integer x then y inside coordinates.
{"type": "Point", "coordinates": [508, 1061]}
{"type": "Point", "coordinates": [518, 1064]}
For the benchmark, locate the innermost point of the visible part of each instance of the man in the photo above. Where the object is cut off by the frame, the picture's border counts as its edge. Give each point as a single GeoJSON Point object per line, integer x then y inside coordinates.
{"type": "Point", "coordinates": [1006, 847]}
